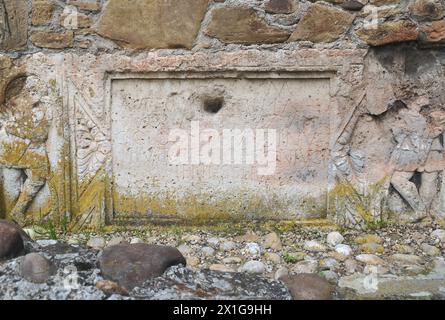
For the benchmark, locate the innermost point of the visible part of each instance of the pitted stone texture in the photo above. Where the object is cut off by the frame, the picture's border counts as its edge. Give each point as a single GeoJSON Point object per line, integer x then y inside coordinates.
{"type": "Point", "coordinates": [152, 23]}
{"type": "Point", "coordinates": [243, 25]}
{"type": "Point", "coordinates": [130, 265]}
{"type": "Point", "coordinates": [335, 23]}
{"type": "Point", "coordinates": [13, 24]}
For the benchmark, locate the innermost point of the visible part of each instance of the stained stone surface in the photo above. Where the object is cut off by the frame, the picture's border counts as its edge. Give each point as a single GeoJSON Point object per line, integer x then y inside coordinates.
{"type": "Point", "coordinates": [152, 24]}
{"type": "Point", "coordinates": [243, 25]}
{"type": "Point", "coordinates": [13, 24]}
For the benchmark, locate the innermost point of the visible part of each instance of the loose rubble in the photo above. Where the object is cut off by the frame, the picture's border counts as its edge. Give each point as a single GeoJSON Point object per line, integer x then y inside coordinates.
{"type": "Point", "coordinates": [300, 263]}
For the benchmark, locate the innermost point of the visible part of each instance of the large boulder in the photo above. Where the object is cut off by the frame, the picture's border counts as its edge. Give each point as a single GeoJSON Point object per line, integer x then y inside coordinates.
{"type": "Point", "coordinates": [307, 286]}
{"type": "Point", "coordinates": [130, 265]}
{"type": "Point", "coordinates": [11, 241]}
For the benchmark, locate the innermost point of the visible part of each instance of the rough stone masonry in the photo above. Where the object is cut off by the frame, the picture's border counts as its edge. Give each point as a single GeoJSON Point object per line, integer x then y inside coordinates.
{"type": "Point", "coordinates": [91, 91]}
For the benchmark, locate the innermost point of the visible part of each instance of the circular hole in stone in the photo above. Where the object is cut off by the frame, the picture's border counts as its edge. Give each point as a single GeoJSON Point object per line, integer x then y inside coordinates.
{"type": "Point", "coordinates": [213, 105]}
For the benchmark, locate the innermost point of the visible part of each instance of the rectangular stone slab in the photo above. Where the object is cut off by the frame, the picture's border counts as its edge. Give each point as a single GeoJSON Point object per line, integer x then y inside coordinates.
{"type": "Point", "coordinates": [145, 110]}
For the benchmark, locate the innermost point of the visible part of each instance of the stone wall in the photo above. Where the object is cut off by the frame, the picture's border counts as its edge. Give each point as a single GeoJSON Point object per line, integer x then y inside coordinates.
{"type": "Point", "coordinates": [380, 118]}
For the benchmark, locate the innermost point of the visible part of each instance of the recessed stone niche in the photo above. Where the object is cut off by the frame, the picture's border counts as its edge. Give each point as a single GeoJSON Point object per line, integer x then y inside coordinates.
{"type": "Point", "coordinates": [220, 144]}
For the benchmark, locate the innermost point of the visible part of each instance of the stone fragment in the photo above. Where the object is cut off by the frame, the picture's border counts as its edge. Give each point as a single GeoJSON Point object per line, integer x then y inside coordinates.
{"type": "Point", "coordinates": [97, 243]}
{"type": "Point", "coordinates": [36, 268]}
{"type": "Point", "coordinates": [243, 25]}
{"type": "Point", "coordinates": [11, 241]}
{"type": "Point", "coordinates": [272, 241]}
{"type": "Point", "coordinates": [336, 22]}
{"type": "Point", "coordinates": [353, 5]}
{"type": "Point", "coordinates": [13, 24]}
{"type": "Point", "coordinates": [427, 9]}
{"type": "Point", "coordinates": [42, 12]}
{"type": "Point", "coordinates": [430, 250]}
{"type": "Point", "coordinates": [330, 276]}
{"type": "Point", "coordinates": [370, 259]}
{"type": "Point", "coordinates": [52, 40]}
{"type": "Point", "coordinates": [280, 6]}
{"type": "Point", "coordinates": [305, 266]}
{"type": "Point", "coordinates": [136, 240]}
{"type": "Point", "coordinates": [152, 23]}
{"type": "Point", "coordinates": [401, 248]}
{"type": "Point", "coordinates": [110, 288]}
{"type": "Point", "coordinates": [253, 266]}
{"type": "Point", "coordinates": [227, 245]}
{"type": "Point", "coordinates": [281, 272]}
{"type": "Point", "coordinates": [350, 266]}
{"type": "Point", "coordinates": [131, 265]}
{"type": "Point", "coordinates": [193, 261]}
{"type": "Point", "coordinates": [389, 32]}
{"type": "Point", "coordinates": [232, 260]}
{"type": "Point", "coordinates": [308, 287]}
{"type": "Point", "coordinates": [252, 249]}
{"type": "Point", "coordinates": [334, 238]}
{"type": "Point", "coordinates": [87, 5]}
{"type": "Point", "coordinates": [439, 234]}
{"type": "Point", "coordinates": [328, 263]}
{"type": "Point", "coordinates": [208, 251]}
{"type": "Point", "coordinates": [406, 259]}
{"type": "Point", "coordinates": [115, 241]}
{"type": "Point", "coordinates": [221, 268]}
{"type": "Point", "coordinates": [248, 237]}
{"type": "Point", "coordinates": [185, 249]}
{"type": "Point", "coordinates": [272, 257]}
{"type": "Point", "coordinates": [372, 248]}
{"type": "Point", "coordinates": [367, 238]}
{"type": "Point", "coordinates": [434, 33]}
{"type": "Point", "coordinates": [343, 249]}
{"type": "Point", "coordinates": [314, 246]}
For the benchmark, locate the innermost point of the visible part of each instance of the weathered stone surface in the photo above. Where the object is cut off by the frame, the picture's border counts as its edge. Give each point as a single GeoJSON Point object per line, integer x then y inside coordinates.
{"type": "Point", "coordinates": [13, 24]}
{"type": "Point", "coordinates": [42, 12]}
{"type": "Point", "coordinates": [336, 23]}
{"type": "Point", "coordinates": [280, 6]}
{"type": "Point", "coordinates": [273, 241]}
{"type": "Point", "coordinates": [11, 242]}
{"type": "Point", "coordinates": [243, 25]}
{"type": "Point", "coordinates": [435, 33]}
{"type": "Point", "coordinates": [36, 268]}
{"type": "Point", "coordinates": [389, 32]}
{"type": "Point", "coordinates": [308, 287]}
{"type": "Point", "coordinates": [131, 265]}
{"type": "Point", "coordinates": [151, 23]}
{"type": "Point", "coordinates": [427, 9]}
{"type": "Point", "coordinates": [52, 40]}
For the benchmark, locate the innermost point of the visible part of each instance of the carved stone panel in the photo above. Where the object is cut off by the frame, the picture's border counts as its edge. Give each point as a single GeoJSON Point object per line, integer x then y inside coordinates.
{"type": "Point", "coordinates": [174, 154]}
